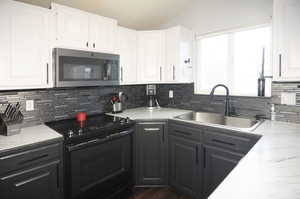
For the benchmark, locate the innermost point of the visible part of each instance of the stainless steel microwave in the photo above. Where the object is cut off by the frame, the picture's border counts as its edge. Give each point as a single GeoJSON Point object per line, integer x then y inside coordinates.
{"type": "Point", "coordinates": [74, 68]}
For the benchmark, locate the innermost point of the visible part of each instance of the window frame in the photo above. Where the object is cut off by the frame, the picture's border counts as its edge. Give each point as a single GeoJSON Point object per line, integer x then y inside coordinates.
{"type": "Point", "coordinates": [230, 32]}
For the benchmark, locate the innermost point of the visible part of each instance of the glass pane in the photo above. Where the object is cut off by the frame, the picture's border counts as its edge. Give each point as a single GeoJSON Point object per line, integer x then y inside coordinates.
{"type": "Point", "coordinates": [87, 69]}
{"type": "Point", "coordinates": [213, 62]}
{"type": "Point", "coordinates": [235, 59]}
{"type": "Point", "coordinates": [248, 54]}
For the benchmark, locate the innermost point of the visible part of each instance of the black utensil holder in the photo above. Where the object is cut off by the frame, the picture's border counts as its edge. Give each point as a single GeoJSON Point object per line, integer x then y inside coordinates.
{"type": "Point", "coordinates": [11, 126]}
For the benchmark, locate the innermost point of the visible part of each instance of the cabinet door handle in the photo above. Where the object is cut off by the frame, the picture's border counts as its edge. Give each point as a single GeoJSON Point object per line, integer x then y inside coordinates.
{"type": "Point", "coordinates": [204, 157]}
{"type": "Point", "coordinates": [47, 73]}
{"type": "Point", "coordinates": [197, 154]}
{"type": "Point", "coordinates": [151, 129]}
{"type": "Point", "coordinates": [94, 45]}
{"type": "Point", "coordinates": [121, 73]}
{"type": "Point", "coordinates": [173, 72]}
{"type": "Point", "coordinates": [183, 132]}
{"type": "Point", "coordinates": [223, 142]}
{"type": "Point", "coordinates": [160, 75]}
{"type": "Point", "coordinates": [280, 64]}
{"type": "Point", "coordinates": [33, 159]}
{"type": "Point", "coordinates": [87, 44]}
{"type": "Point", "coordinates": [32, 179]}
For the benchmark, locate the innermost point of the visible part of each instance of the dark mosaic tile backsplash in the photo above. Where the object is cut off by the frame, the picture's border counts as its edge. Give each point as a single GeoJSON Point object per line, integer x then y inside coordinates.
{"type": "Point", "coordinates": [57, 104]}
{"type": "Point", "coordinates": [185, 98]}
{"type": "Point", "coordinates": [286, 113]}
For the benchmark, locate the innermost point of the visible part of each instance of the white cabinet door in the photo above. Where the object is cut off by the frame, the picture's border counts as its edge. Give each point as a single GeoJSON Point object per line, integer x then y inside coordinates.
{"type": "Point", "coordinates": [286, 28]}
{"type": "Point", "coordinates": [179, 55]}
{"type": "Point", "coordinates": [71, 27]}
{"type": "Point", "coordinates": [186, 48]}
{"type": "Point", "coordinates": [127, 48]}
{"type": "Point", "coordinates": [102, 33]}
{"type": "Point", "coordinates": [172, 55]}
{"type": "Point", "coordinates": [24, 49]}
{"type": "Point", "coordinates": [150, 56]}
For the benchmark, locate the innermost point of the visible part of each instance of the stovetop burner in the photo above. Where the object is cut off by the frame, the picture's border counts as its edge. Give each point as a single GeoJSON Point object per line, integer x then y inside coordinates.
{"type": "Point", "coordinates": [96, 126]}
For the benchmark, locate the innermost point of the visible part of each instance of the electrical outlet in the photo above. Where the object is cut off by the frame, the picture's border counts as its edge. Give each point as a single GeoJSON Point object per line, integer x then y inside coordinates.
{"type": "Point", "coordinates": [171, 94]}
{"type": "Point", "coordinates": [288, 98]}
{"type": "Point", "coordinates": [29, 105]}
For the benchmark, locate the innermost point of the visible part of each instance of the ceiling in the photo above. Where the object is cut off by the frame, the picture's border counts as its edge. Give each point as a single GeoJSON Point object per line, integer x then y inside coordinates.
{"type": "Point", "coordinates": [137, 14]}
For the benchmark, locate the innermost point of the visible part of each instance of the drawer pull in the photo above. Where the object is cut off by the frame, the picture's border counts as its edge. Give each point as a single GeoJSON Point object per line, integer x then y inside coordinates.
{"type": "Point", "coordinates": [32, 179]}
{"type": "Point", "coordinates": [197, 154]}
{"type": "Point", "coordinates": [151, 129]}
{"type": "Point", "coordinates": [182, 132]}
{"type": "Point", "coordinates": [33, 159]}
{"type": "Point", "coordinates": [223, 142]}
{"type": "Point", "coordinates": [204, 157]}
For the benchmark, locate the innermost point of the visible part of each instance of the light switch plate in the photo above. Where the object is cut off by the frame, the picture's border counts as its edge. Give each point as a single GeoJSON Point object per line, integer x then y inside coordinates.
{"type": "Point", "coordinates": [171, 94]}
{"type": "Point", "coordinates": [288, 98]}
{"type": "Point", "coordinates": [29, 105]}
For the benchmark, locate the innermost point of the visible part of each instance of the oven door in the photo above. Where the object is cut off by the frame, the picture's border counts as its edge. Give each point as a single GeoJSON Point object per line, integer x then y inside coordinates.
{"type": "Point", "coordinates": [75, 68]}
{"type": "Point", "coordinates": [100, 170]}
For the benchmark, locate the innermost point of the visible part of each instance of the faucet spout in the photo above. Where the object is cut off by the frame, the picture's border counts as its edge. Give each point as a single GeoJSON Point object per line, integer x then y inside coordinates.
{"type": "Point", "coordinates": [227, 111]}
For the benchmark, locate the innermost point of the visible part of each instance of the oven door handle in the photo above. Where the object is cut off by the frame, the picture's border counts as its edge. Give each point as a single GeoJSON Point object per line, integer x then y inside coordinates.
{"type": "Point", "coordinates": [121, 134]}
{"type": "Point", "coordinates": [86, 144]}
{"type": "Point", "coordinates": [98, 141]}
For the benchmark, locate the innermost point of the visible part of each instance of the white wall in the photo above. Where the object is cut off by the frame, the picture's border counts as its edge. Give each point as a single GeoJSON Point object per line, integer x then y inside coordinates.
{"type": "Point", "coordinates": [205, 16]}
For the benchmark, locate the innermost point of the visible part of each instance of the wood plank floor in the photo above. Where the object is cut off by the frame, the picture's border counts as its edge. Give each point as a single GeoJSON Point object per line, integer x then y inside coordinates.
{"type": "Point", "coordinates": [157, 193]}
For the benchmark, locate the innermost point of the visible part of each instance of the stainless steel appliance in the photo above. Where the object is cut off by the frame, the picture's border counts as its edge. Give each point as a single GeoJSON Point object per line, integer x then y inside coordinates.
{"type": "Point", "coordinates": [97, 156]}
{"type": "Point", "coordinates": [74, 68]}
{"type": "Point", "coordinates": [117, 101]}
{"type": "Point", "coordinates": [152, 99]}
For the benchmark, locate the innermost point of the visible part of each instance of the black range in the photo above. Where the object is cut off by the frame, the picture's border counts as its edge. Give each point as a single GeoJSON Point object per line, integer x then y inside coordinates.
{"type": "Point", "coordinates": [97, 156]}
{"type": "Point", "coordinates": [96, 126]}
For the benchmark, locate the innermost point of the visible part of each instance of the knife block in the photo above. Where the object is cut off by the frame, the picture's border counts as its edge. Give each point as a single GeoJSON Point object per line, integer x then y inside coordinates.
{"type": "Point", "coordinates": [10, 127]}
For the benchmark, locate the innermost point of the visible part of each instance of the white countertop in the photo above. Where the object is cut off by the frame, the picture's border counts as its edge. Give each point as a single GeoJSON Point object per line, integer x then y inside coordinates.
{"type": "Point", "coordinates": [28, 136]}
{"type": "Point", "coordinates": [271, 170]}
{"type": "Point", "coordinates": [146, 114]}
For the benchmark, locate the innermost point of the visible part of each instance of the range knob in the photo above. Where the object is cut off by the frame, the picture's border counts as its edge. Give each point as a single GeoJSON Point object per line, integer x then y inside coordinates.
{"type": "Point", "coordinates": [70, 133]}
{"type": "Point", "coordinates": [127, 120]}
{"type": "Point", "coordinates": [80, 131]}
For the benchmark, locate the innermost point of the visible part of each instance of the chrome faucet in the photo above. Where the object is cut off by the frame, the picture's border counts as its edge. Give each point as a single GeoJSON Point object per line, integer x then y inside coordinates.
{"type": "Point", "coordinates": [227, 111]}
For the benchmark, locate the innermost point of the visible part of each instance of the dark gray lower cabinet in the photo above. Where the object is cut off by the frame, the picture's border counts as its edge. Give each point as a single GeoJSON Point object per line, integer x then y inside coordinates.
{"type": "Point", "coordinates": [185, 166]}
{"type": "Point", "coordinates": [218, 164]}
{"type": "Point", "coordinates": [34, 183]}
{"type": "Point", "coordinates": [33, 173]}
{"type": "Point", "coordinates": [151, 154]}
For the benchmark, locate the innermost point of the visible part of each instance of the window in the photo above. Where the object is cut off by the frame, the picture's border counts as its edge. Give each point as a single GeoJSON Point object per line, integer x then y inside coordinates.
{"type": "Point", "coordinates": [235, 59]}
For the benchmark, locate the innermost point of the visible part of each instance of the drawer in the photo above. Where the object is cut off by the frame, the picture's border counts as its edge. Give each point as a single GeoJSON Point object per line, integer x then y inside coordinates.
{"type": "Point", "coordinates": [185, 132]}
{"type": "Point", "coordinates": [28, 158]}
{"type": "Point", "coordinates": [227, 141]}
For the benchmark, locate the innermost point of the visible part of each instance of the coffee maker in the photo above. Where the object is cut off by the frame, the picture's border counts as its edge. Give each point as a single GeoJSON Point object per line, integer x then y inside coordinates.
{"type": "Point", "coordinates": [151, 94]}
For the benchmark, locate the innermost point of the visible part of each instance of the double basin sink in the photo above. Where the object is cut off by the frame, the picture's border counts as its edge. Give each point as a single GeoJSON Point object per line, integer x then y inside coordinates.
{"type": "Point", "coordinates": [247, 124]}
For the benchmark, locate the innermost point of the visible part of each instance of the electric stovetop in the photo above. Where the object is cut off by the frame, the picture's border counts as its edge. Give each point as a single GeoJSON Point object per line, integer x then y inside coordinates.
{"type": "Point", "coordinates": [95, 126]}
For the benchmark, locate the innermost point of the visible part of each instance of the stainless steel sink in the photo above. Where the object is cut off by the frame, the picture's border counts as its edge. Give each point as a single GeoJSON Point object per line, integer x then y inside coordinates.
{"type": "Point", "coordinates": [248, 124]}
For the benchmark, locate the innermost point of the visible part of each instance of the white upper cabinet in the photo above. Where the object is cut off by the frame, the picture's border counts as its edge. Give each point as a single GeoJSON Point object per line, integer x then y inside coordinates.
{"type": "Point", "coordinates": [71, 27]}
{"type": "Point", "coordinates": [179, 43]}
{"type": "Point", "coordinates": [81, 30]}
{"type": "Point", "coordinates": [286, 40]}
{"type": "Point", "coordinates": [127, 48]}
{"type": "Point", "coordinates": [150, 56]}
{"type": "Point", "coordinates": [102, 33]}
{"type": "Point", "coordinates": [24, 49]}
